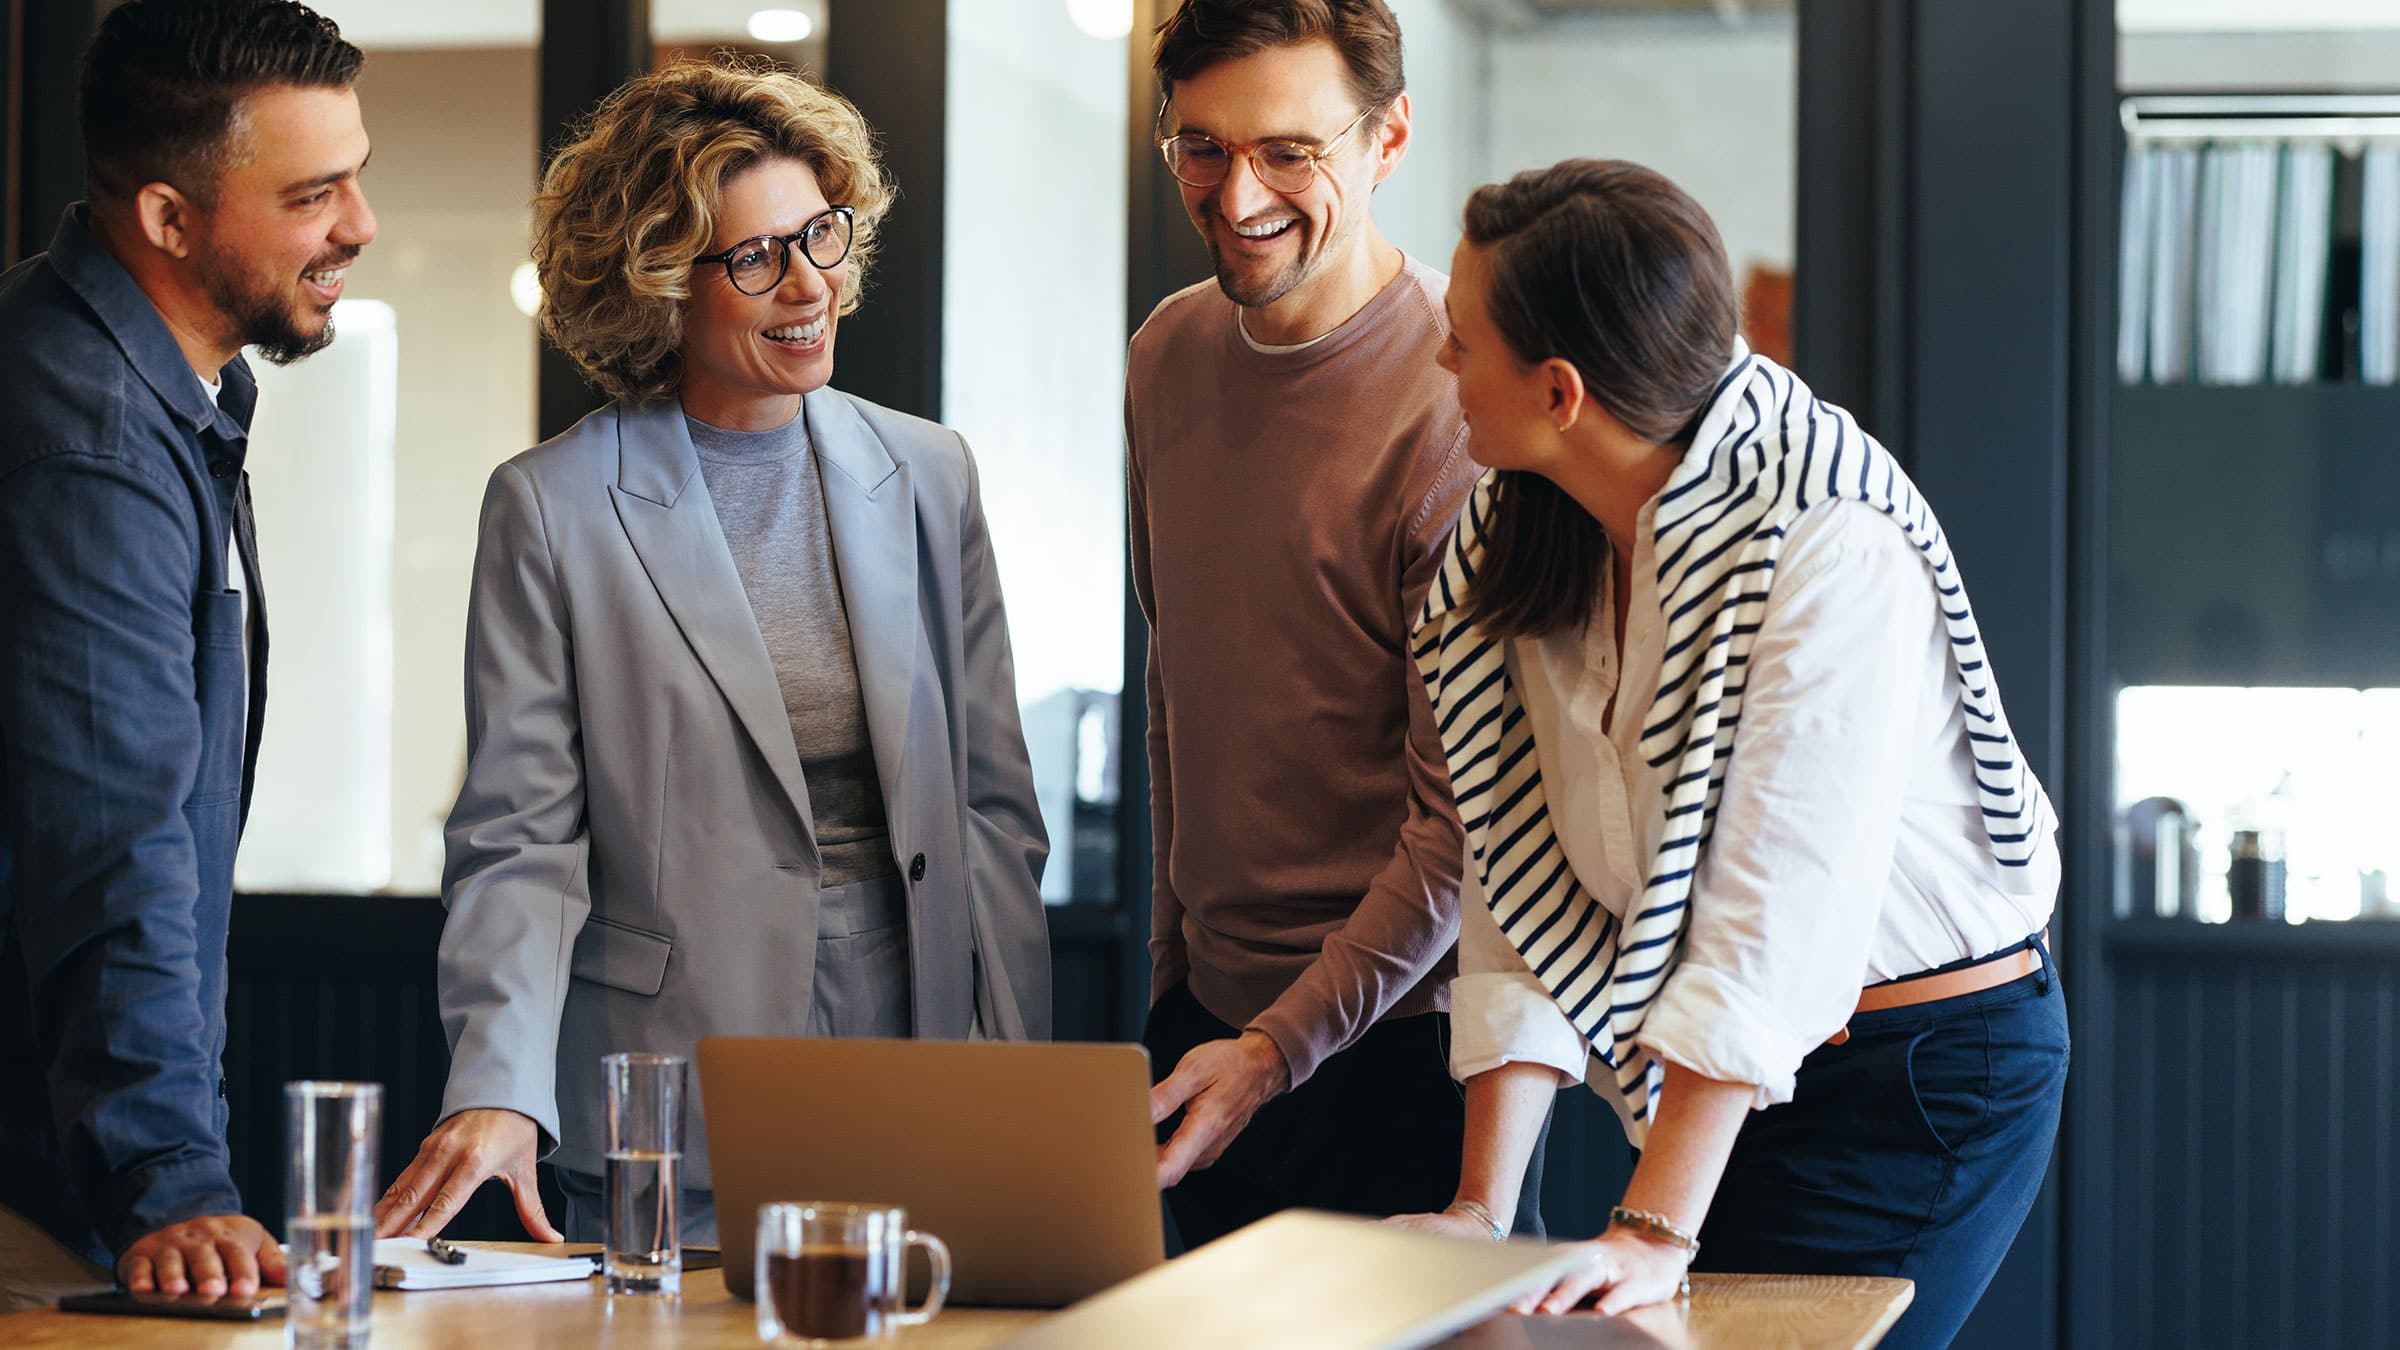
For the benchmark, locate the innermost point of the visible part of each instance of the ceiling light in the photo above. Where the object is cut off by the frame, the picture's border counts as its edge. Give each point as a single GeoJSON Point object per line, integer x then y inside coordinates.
{"type": "Point", "coordinates": [525, 290]}
{"type": "Point", "coordinates": [781, 25]}
{"type": "Point", "coordinates": [1106, 20]}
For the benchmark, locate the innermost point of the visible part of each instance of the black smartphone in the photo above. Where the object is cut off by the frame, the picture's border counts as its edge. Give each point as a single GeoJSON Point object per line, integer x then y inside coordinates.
{"type": "Point", "coordinates": [223, 1308]}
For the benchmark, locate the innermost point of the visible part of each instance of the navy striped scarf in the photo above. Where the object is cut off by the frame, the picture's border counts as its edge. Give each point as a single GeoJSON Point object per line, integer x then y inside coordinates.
{"type": "Point", "coordinates": [1766, 450]}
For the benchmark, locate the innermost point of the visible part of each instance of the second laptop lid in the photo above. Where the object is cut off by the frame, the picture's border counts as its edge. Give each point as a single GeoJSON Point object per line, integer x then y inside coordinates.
{"type": "Point", "coordinates": [1035, 1162]}
{"type": "Point", "coordinates": [1303, 1280]}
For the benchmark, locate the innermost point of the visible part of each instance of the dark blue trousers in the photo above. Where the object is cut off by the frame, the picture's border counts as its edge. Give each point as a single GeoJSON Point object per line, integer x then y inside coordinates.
{"type": "Point", "coordinates": [1914, 1149]}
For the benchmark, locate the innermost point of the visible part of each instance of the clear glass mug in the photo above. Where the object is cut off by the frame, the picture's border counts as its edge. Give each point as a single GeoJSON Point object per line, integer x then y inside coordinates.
{"type": "Point", "coordinates": [834, 1273]}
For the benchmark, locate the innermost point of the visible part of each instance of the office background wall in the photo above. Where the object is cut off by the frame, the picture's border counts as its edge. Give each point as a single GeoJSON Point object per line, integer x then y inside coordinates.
{"type": "Point", "coordinates": [1948, 222]}
{"type": "Point", "coordinates": [451, 180]}
{"type": "Point", "coordinates": [1707, 101]}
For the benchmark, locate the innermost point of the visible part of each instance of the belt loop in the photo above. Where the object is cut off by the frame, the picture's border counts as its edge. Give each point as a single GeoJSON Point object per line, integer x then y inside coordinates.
{"type": "Point", "coordinates": [2042, 977]}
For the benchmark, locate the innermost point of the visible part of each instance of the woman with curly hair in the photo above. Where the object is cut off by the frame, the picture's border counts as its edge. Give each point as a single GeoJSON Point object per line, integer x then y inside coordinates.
{"type": "Point", "coordinates": [743, 748]}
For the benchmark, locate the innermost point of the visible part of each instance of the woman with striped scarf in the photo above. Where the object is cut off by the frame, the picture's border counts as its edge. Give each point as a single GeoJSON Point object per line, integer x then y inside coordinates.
{"type": "Point", "coordinates": [1753, 850]}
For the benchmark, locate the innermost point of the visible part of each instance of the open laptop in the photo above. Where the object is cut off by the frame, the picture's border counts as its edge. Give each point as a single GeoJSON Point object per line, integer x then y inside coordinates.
{"type": "Point", "coordinates": [1035, 1162]}
{"type": "Point", "coordinates": [1303, 1280]}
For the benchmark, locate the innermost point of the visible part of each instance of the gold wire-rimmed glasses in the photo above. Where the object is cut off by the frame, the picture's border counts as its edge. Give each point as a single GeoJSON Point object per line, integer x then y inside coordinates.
{"type": "Point", "coordinates": [1202, 161]}
{"type": "Point", "coordinates": [757, 265]}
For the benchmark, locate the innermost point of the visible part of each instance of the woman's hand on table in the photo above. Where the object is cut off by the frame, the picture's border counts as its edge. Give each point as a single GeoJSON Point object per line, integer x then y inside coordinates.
{"type": "Point", "coordinates": [1447, 1223]}
{"type": "Point", "coordinates": [460, 1155]}
{"type": "Point", "coordinates": [1625, 1269]}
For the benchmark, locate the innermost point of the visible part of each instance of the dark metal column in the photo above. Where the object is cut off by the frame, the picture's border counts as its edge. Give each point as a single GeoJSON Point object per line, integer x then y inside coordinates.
{"type": "Point", "coordinates": [2089, 1246]}
{"type": "Point", "coordinates": [589, 47]}
{"type": "Point", "coordinates": [44, 60]}
{"type": "Point", "coordinates": [1163, 254]}
{"type": "Point", "coordinates": [890, 57]}
{"type": "Point", "coordinates": [1936, 298]}
{"type": "Point", "coordinates": [1849, 326]}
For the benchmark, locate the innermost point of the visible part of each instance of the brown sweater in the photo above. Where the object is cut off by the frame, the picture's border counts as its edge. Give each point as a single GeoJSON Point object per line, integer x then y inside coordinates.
{"type": "Point", "coordinates": [1288, 512]}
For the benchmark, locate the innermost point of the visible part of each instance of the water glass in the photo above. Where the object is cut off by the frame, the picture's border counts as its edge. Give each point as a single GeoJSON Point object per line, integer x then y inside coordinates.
{"type": "Point", "coordinates": [832, 1273]}
{"type": "Point", "coordinates": [330, 1131]}
{"type": "Point", "coordinates": [642, 1179]}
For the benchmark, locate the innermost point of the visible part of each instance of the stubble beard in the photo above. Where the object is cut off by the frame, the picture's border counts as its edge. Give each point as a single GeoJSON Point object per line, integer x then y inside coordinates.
{"type": "Point", "coordinates": [264, 315]}
{"type": "Point", "coordinates": [1263, 292]}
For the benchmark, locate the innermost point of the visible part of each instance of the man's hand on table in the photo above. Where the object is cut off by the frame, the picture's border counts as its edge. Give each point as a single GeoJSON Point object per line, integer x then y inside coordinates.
{"type": "Point", "coordinates": [1218, 1086]}
{"type": "Point", "coordinates": [460, 1155]}
{"type": "Point", "coordinates": [212, 1255]}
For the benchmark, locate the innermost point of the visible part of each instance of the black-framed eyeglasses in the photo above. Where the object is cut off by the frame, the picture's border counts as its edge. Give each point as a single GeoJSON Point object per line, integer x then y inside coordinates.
{"type": "Point", "coordinates": [1283, 165]}
{"type": "Point", "coordinates": [757, 266]}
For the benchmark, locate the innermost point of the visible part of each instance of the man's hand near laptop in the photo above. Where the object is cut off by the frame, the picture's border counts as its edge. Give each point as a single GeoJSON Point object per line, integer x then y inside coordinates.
{"type": "Point", "coordinates": [213, 1255]}
{"type": "Point", "coordinates": [1218, 1085]}
{"type": "Point", "coordinates": [461, 1154]}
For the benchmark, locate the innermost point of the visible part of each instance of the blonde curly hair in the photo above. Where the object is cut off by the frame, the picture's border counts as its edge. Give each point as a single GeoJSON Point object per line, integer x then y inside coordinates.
{"type": "Point", "coordinates": [632, 198]}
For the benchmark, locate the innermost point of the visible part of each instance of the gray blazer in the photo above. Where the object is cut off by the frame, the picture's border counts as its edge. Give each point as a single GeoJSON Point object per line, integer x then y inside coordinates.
{"type": "Point", "coordinates": [632, 863]}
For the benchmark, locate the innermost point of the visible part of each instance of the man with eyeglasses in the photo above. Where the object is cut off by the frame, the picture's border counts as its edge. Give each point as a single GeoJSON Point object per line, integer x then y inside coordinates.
{"type": "Point", "coordinates": [1295, 461]}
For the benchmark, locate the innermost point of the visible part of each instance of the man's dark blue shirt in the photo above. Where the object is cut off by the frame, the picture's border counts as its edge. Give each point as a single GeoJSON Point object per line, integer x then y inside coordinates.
{"type": "Point", "coordinates": [129, 723]}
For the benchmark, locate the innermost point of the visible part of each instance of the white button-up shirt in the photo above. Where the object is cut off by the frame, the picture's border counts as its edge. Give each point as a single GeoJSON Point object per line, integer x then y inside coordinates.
{"type": "Point", "coordinates": [1849, 845]}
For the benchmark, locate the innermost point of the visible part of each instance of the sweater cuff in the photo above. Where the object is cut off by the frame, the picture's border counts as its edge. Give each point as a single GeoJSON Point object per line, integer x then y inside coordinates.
{"type": "Point", "coordinates": [1718, 1029]}
{"type": "Point", "coordinates": [1301, 1053]}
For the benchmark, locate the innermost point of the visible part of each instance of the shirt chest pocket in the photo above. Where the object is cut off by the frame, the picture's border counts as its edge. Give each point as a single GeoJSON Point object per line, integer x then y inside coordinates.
{"type": "Point", "coordinates": [221, 687]}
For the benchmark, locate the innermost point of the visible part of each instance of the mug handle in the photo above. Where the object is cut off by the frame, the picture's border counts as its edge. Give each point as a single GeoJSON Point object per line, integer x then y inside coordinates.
{"type": "Point", "coordinates": [937, 1253]}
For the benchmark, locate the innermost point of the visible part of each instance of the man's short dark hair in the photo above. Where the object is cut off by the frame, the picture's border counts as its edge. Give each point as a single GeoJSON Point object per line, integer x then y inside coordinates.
{"type": "Point", "coordinates": [1203, 33]}
{"type": "Point", "coordinates": [164, 81]}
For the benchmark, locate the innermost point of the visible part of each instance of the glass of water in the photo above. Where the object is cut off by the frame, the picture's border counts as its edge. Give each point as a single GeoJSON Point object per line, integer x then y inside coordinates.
{"type": "Point", "coordinates": [642, 1185]}
{"type": "Point", "coordinates": [330, 1131]}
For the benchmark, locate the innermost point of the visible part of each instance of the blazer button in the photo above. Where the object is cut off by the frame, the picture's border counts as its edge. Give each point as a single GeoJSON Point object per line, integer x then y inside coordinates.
{"type": "Point", "coordinates": [916, 868]}
{"type": "Point", "coordinates": [220, 468]}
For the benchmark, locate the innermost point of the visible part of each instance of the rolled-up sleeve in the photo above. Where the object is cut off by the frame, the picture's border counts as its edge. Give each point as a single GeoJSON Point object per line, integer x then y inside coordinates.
{"type": "Point", "coordinates": [1500, 1013]}
{"type": "Point", "coordinates": [1790, 889]}
{"type": "Point", "coordinates": [101, 749]}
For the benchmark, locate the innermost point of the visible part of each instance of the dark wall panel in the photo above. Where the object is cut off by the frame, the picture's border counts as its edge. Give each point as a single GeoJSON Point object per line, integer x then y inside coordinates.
{"type": "Point", "coordinates": [338, 987]}
{"type": "Point", "coordinates": [342, 987]}
{"type": "Point", "coordinates": [2255, 1186]}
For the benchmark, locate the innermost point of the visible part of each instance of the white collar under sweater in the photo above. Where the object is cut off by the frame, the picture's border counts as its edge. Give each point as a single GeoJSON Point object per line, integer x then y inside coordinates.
{"type": "Point", "coordinates": [1765, 451]}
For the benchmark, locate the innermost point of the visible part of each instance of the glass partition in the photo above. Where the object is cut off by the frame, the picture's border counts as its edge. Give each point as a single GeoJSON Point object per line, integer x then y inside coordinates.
{"type": "Point", "coordinates": [370, 459]}
{"type": "Point", "coordinates": [1033, 369]}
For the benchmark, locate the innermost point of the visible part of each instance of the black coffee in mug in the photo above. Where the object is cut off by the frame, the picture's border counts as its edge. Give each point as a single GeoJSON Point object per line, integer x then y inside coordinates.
{"type": "Point", "coordinates": [828, 1293]}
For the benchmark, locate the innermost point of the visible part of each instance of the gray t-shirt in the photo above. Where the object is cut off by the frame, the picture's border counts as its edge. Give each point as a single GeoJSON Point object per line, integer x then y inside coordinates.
{"type": "Point", "coordinates": [770, 500]}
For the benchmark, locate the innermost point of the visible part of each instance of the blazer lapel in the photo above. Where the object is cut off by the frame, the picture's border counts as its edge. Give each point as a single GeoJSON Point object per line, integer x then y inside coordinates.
{"type": "Point", "coordinates": [667, 514]}
{"type": "Point", "coordinates": [870, 507]}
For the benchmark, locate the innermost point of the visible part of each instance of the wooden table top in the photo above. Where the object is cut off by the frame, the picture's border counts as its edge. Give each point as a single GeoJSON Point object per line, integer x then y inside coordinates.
{"type": "Point", "coordinates": [1766, 1312]}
